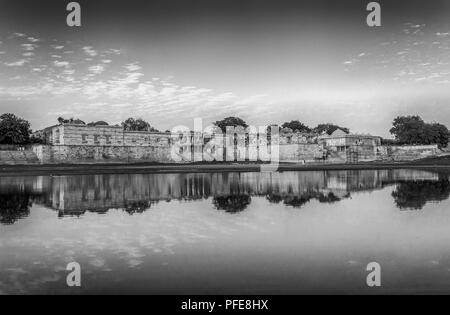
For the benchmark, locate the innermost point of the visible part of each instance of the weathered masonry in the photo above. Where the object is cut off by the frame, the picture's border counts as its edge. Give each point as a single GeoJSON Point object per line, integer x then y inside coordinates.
{"type": "Point", "coordinates": [72, 144]}
{"type": "Point", "coordinates": [67, 134]}
{"type": "Point", "coordinates": [345, 147]}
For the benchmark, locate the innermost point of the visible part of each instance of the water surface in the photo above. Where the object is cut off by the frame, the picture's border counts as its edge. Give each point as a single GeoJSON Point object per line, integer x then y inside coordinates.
{"type": "Point", "coordinates": [227, 233]}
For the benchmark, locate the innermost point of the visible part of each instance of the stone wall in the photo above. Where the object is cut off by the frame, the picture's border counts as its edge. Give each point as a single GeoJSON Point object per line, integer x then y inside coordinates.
{"type": "Point", "coordinates": [84, 135]}
{"type": "Point", "coordinates": [25, 157]}
{"type": "Point", "coordinates": [73, 154]}
{"type": "Point", "coordinates": [300, 153]}
{"type": "Point", "coordinates": [408, 153]}
{"type": "Point", "coordinates": [295, 153]}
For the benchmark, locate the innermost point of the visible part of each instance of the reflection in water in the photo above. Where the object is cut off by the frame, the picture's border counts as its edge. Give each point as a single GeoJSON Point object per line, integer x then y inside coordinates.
{"type": "Point", "coordinates": [16, 195]}
{"type": "Point", "coordinates": [415, 194]}
{"type": "Point", "coordinates": [299, 201]}
{"type": "Point", "coordinates": [232, 203]}
{"type": "Point", "coordinates": [137, 206]}
{"type": "Point", "coordinates": [231, 192]}
{"type": "Point", "coordinates": [14, 207]}
{"type": "Point", "coordinates": [226, 233]}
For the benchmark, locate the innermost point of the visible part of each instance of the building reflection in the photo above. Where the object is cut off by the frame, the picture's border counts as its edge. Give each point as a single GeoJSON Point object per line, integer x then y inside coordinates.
{"type": "Point", "coordinates": [229, 192]}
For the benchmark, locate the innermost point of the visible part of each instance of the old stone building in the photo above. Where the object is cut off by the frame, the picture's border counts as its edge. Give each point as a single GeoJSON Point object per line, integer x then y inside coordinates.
{"type": "Point", "coordinates": [346, 147]}
{"type": "Point", "coordinates": [73, 134]}
{"type": "Point", "coordinates": [75, 143]}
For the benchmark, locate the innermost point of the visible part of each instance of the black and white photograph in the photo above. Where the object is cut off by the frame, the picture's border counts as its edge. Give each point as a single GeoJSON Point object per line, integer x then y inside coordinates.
{"type": "Point", "coordinates": [239, 149]}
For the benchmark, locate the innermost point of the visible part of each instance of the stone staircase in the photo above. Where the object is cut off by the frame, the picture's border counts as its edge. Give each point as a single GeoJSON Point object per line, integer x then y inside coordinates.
{"type": "Point", "coordinates": [18, 158]}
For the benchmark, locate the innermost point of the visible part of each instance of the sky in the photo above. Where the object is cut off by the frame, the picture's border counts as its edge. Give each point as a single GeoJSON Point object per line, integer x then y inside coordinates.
{"type": "Point", "coordinates": [266, 61]}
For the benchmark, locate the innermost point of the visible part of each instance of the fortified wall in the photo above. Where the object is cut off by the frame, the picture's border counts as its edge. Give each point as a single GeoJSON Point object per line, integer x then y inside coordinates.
{"type": "Point", "coordinates": [67, 144]}
{"type": "Point", "coordinates": [75, 144]}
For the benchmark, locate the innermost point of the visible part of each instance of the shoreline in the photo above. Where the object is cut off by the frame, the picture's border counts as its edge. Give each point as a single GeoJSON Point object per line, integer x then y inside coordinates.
{"type": "Point", "coordinates": [120, 168]}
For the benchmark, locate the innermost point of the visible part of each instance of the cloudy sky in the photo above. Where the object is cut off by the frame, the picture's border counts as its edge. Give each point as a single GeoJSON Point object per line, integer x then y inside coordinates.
{"type": "Point", "coordinates": [266, 61]}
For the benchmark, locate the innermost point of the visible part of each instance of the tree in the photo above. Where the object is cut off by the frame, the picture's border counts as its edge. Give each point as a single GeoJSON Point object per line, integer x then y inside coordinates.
{"type": "Point", "coordinates": [296, 125]}
{"type": "Point", "coordinates": [389, 142]}
{"type": "Point", "coordinates": [438, 134]}
{"type": "Point", "coordinates": [408, 129]}
{"type": "Point", "coordinates": [414, 131]}
{"type": "Point", "coordinates": [230, 121]}
{"type": "Point", "coordinates": [329, 128]}
{"type": "Point", "coordinates": [76, 121]}
{"type": "Point", "coordinates": [98, 123]}
{"type": "Point", "coordinates": [138, 124]}
{"type": "Point", "coordinates": [14, 130]}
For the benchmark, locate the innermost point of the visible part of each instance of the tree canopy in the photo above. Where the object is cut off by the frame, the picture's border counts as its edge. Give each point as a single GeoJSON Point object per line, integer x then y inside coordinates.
{"type": "Point", "coordinates": [296, 125]}
{"type": "Point", "coordinates": [329, 128]}
{"type": "Point", "coordinates": [137, 124]}
{"type": "Point", "coordinates": [72, 120]}
{"type": "Point", "coordinates": [413, 130]}
{"type": "Point", "coordinates": [14, 130]}
{"type": "Point", "coordinates": [230, 121]}
{"type": "Point", "coordinates": [98, 123]}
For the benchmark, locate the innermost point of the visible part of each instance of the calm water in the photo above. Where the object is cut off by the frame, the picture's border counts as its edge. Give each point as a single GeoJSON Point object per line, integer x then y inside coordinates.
{"type": "Point", "coordinates": [230, 233]}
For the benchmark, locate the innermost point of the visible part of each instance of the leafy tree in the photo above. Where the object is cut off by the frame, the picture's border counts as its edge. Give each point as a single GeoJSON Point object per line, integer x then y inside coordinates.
{"type": "Point", "coordinates": [230, 121]}
{"type": "Point", "coordinates": [329, 128]}
{"type": "Point", "coordinates": [408, 129]}
{"type": "Point", "coordinates": [296, 125]}
{"type": "Point", "coordinates": [437, 134]}
{"type": "Point", "coordinates": [14, 130]}
{"type": "Point", "coordinates": [413, 130]}
{"type": "Point", "coordinates": [389, 142]}
{"type": "Point", "coordinates": [98, 123]}
{"type": "Point", "coordinates": [138, 124]}
{"type": "Point", "coordinates": [76, 121]}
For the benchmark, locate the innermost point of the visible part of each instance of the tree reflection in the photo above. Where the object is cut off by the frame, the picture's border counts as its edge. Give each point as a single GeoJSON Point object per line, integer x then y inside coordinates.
{"type": "Point", "coordinates": [232, 203]}
{"type": "Point", "coordinates": [137, 206]}
{"type": "Point", "coordinates": [299, 201]}
{"type": "Point", "coordinates": [331, 197]}
{"type": "Point", "coordinates": [296, 201]}
{"type": "Point", "coordinates": [14, 207]}
{"type": "Point", "coordinates": [274, 198]}
{"type": "Point", "coordinates": [415, 195]}
{"type": "Point", "coordinates": [231, 192]}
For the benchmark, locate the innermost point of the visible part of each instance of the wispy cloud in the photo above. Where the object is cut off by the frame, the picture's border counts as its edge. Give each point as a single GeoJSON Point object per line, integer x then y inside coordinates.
{"type": "Point", "coordinates": [104, 82]}
{"type": "Point", "coordinates": [418, 54]}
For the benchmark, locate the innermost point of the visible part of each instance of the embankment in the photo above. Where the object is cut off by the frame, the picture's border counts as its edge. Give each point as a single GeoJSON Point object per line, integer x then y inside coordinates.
{"type": "Point", "coordinates": [74, 169]}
